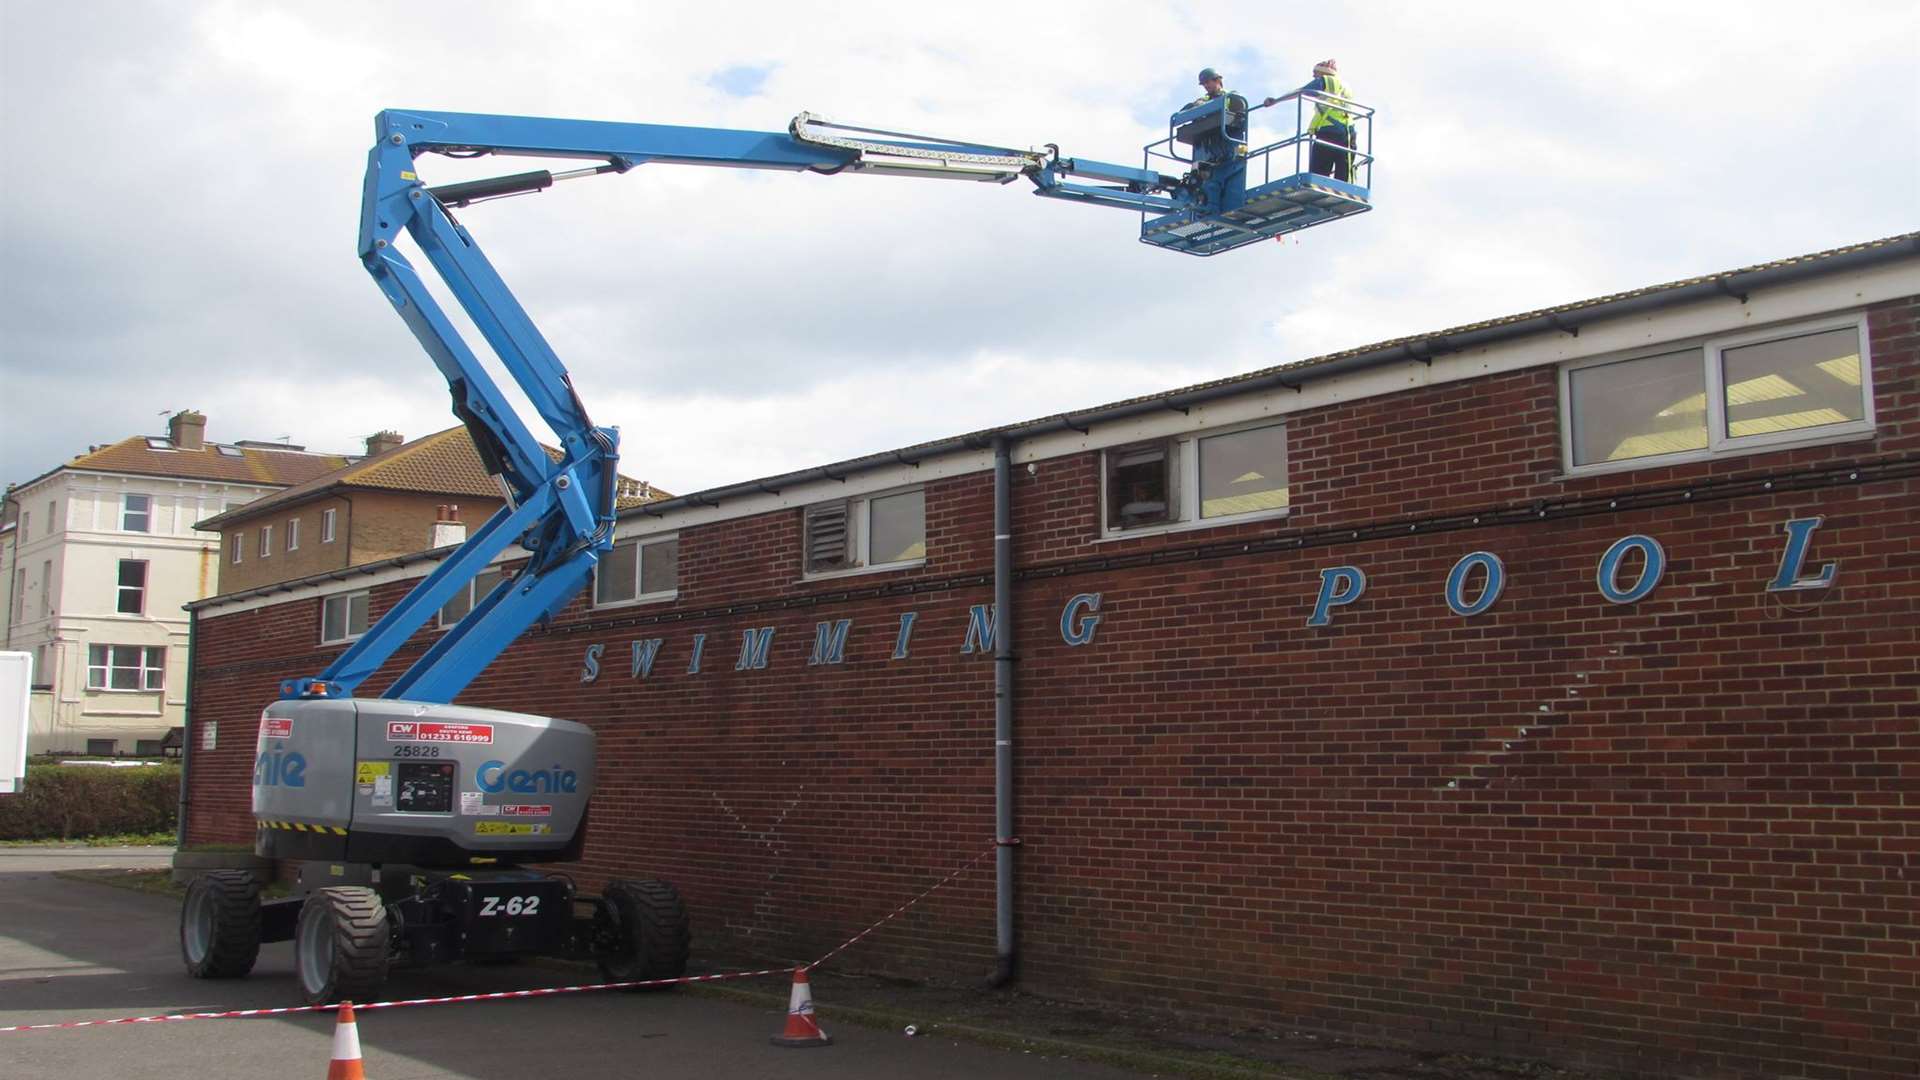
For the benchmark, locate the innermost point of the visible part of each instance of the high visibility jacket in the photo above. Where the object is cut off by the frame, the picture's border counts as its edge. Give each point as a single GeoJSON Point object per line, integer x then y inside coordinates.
{"type": "Point", "coordinates": [1325, 115]}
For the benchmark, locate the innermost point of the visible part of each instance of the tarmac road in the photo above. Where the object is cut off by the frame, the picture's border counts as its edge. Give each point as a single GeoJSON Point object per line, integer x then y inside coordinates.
{"type": "Point", "coordinates": [81, 951]}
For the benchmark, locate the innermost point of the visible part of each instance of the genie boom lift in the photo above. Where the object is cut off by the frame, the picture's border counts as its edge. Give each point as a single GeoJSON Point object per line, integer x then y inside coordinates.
{"type": "Point", "coordinates": [411, 821]}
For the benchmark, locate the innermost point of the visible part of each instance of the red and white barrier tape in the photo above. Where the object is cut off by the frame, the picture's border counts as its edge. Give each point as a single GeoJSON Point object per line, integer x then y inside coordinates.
{"type": "Point", "coordinates": [499, 995]}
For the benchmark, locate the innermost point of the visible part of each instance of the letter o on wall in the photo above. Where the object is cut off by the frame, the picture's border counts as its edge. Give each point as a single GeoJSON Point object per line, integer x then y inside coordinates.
{"type": "Point", "coordinates": [1457, 583]}
{"type": "Point", "coordinates": [1655, 565]}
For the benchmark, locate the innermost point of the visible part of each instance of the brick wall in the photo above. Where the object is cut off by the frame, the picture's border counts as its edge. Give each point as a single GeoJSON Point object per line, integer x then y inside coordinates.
{"type": "Point", "coordinates": [1679, 836]}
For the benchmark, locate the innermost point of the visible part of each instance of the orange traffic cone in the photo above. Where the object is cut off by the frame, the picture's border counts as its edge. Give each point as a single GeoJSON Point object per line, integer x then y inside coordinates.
{"type": "Point", "coordinates": [346, 1047]}
{"type": "Point", "coordinates": [802, 1029]}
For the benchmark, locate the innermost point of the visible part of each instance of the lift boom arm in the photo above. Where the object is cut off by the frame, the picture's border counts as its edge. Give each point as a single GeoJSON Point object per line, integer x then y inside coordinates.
{"type": "Point", "coordinates": [562, 509]}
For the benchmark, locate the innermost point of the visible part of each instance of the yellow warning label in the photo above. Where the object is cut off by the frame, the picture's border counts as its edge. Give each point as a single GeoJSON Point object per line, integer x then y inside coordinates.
{"type": "Point", "coordinates": [409, 176]}
{"type": "Point", "coordinates": [368, 771]}
{"type": "Point", "coordinates": [509, 828]}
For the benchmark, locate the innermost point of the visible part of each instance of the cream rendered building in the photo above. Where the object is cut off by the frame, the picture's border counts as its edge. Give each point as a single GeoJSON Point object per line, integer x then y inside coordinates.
{"type": "Point", "coordinates": [101, 556]}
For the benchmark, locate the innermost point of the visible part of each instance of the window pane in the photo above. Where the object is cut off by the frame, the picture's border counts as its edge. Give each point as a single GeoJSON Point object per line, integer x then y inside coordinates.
{"type": "Point", "coordinates": [357, 613]}
{"type": "Point", "coordinates": [133, 573]}
{"type": "Point", "coordinates": [456, 609]}
{"type": "Point", "coordinates": [614, 581]}
{"type": "Point", "coordinates": [1244, 472]}
{"type": "Point", "coordinates": [1139, 486]}
{"type": "Point", "coordinates": [156, 667]}
{"type": "Point", "coordinates": [1797, 382]}
{"type": "Point", "coordinates": [1638, 408]}
{"type": "Point", "coordinates": [333, 620]}
{"type": "Point", "coordinates": [899, 527]}
{"type": "Point", "coordinates": [660, 567]}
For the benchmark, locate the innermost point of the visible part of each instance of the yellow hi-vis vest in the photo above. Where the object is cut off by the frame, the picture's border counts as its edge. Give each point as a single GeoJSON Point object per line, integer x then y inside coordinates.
{"type": "Point", "coordinates": [1325, 115]}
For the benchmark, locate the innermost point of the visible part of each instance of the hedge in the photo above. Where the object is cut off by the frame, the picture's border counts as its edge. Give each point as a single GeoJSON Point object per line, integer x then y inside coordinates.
{"type": "Point", "coordinates": [68, 802]}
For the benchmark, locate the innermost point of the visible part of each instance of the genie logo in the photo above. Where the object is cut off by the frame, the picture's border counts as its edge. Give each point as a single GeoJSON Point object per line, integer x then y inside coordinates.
{"type": "Point", "coordinates": [494, 778]}
{"type": "Point", "coordinates": [280, 770]}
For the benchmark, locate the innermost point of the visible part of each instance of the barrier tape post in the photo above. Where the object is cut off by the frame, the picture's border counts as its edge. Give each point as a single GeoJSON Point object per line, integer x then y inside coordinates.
{"type": "Point", "coordinates": [498, 995]}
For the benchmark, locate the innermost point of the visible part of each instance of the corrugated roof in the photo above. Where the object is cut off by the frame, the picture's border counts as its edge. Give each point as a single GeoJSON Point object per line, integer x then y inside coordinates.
{"type": "Point", "coordinates": [443, 463]}
{"type": "Point", "coordinates": [238, 464]}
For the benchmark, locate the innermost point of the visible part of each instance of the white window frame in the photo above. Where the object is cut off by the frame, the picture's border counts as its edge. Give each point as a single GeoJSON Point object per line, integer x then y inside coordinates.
{"type": "Point", "coordinates": [266, 541]}
{"type": "Point", "coordinates": [639, 571]}
{"type": "Point", "coordinates": [293, 534]}
{"type": "Point", "coordinates": [26, 525]}
{"type": "Point", "coordinates": [860, 528]}
{"type": "Point", "coordinates": [1719, 442]}
{"type": "Point", "coordinates": [327, 524]}
{"type": "Point", "coordinates": [346, 621]}
{"type": "Point", "coordinates": [127, 497]}
{"type": "Point", "coordinates": [1186, 483]}
{"type": "Point", "coordinates": [153, 676]}
{"type": "Point", "coordinates": [238, 546]}
{"type": "Point", "coordinates": [120, 589]}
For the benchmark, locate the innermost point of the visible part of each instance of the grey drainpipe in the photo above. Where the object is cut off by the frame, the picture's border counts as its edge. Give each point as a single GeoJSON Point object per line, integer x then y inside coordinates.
{"type": "Point", "coordinates": [1004, 835]}
{"type": "Point", "coordinates": [186, 733]}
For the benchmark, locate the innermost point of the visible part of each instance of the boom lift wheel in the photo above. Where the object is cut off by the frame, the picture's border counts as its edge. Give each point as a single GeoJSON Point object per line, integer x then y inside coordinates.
{"type": "Point", "coordinates": [341, 947]}
{"type": "Point", "coordinates": [220, 925]}
{"type": "Point", "coordinates": [641, 931]}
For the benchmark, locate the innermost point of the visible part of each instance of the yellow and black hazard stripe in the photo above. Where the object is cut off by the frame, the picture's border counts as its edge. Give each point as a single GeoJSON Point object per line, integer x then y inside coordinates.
{"type": "Point", "coordinates": [296, 826]}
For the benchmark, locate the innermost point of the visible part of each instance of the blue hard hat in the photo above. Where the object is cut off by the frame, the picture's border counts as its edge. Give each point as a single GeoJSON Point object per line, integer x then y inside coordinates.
{"type": "Point", "coordinates": [1208, 73]}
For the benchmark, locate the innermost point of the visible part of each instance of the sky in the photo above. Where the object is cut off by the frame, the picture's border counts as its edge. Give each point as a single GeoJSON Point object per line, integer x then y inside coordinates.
{"type": "Point", "coordinates": [180, 199]}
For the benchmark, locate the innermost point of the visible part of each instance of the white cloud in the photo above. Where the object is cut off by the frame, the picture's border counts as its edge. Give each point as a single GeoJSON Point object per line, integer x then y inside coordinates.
{"type": "Point", "coordinates": [180, 216]}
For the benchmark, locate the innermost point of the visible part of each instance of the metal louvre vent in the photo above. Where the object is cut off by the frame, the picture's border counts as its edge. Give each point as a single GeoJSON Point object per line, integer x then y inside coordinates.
{"type": "Point", "coordinates": [827, 537]}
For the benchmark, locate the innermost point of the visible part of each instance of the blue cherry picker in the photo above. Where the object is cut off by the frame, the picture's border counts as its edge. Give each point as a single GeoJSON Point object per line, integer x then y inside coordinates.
{"type": "Point", "coordinates": [408, 818]}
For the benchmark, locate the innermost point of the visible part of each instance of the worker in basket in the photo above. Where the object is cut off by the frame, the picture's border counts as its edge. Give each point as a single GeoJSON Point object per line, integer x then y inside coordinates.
{"type": "Point", "coordinates": [1332, 126]}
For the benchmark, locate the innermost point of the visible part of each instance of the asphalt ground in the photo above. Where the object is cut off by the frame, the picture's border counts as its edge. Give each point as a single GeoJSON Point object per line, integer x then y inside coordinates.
{"type": "Point", "coordinates": [81, 951]}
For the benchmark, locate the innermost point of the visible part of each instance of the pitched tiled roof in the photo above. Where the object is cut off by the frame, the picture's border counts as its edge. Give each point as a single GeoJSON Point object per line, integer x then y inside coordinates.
{"type": "Point", "coordinates": [444, 463]}
{"type": "Point", "coordinates": [236, 464]}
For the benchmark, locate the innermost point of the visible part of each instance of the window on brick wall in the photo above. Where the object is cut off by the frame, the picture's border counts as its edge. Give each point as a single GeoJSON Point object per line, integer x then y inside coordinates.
{"type": "Point", "coordinates": [293, 534]}
{"type": "Point", "coordinates": [236, 547]}
{"type": "Point", "coordinates": [1789, 386]}
{"type": "Point", "coordinates": [456, 609]}
{"type": "Point", "coordinates": [132, 588]}
{"type": "Point", "coordinates": [638, 570]}
{"type": "Point", "coordinates": [1204, 478]}
{"type": "Point", "coordinates": [126, 667]}
{"type": "Point", "coordinates": [871, 532]}
{"type": "Point", "coordinates": [266, 541]}
{"type": "Point", "coordinates": [343, 617]}
{"type": "Point", "coordinates": [326, 526]}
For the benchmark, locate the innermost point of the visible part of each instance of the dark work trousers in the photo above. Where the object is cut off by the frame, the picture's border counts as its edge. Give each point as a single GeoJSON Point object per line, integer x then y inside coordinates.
{"type": "Point", "coordinates": [1328, 160]}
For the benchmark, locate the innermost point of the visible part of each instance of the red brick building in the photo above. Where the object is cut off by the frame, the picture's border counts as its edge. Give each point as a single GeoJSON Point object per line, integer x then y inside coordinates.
{"type": "Point", "coordinates": [1551, 683]}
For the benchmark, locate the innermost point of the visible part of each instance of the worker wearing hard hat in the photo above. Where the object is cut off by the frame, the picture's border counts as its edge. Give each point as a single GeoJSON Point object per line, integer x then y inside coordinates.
{"type": "Point", "coordinates": [1221, 148]}
{"type": "Point", "coordinates": [1331, 126]}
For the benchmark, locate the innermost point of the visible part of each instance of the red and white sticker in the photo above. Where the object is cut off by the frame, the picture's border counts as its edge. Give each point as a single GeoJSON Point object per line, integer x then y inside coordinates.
{"type": "Point", "coordinates": [276, 727]}
{"type": "Point", "coordinates": [420, 731]}
{"type": "Point", "coordinates": [514, 810]}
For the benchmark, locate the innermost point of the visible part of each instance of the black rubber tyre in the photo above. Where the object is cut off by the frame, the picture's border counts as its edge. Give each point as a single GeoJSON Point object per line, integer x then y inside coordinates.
{"type": "Point", "coordinates": [341, 947]}
{"type": "Point", "coordinates": [642, 932]}
{"type": "Point", "coordinates": [220, 925]}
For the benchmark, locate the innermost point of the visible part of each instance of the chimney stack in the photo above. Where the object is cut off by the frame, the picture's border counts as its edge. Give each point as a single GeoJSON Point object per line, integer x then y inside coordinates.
{"type": "Point", "coordinates": [448, 529]}
{"type": "Point", "coordinates": [187, 430]}
{"type": "Point", "coordinates": [382, 441]}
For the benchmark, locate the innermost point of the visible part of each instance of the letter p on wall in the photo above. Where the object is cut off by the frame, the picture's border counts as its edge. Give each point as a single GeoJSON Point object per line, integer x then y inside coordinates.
{"type": "Point", "coordinates": [1339, 586]}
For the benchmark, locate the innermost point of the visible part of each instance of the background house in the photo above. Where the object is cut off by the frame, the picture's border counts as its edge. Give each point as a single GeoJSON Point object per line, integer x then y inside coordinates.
{"type": "Point", "coordinates": [402, 498]}
{"type": "Point", "coordinates": [100, 555]}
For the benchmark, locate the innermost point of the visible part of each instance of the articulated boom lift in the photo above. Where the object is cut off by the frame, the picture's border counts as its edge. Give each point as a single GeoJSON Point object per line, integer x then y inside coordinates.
{"type": "Point", "coordinates": [406, 813]}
